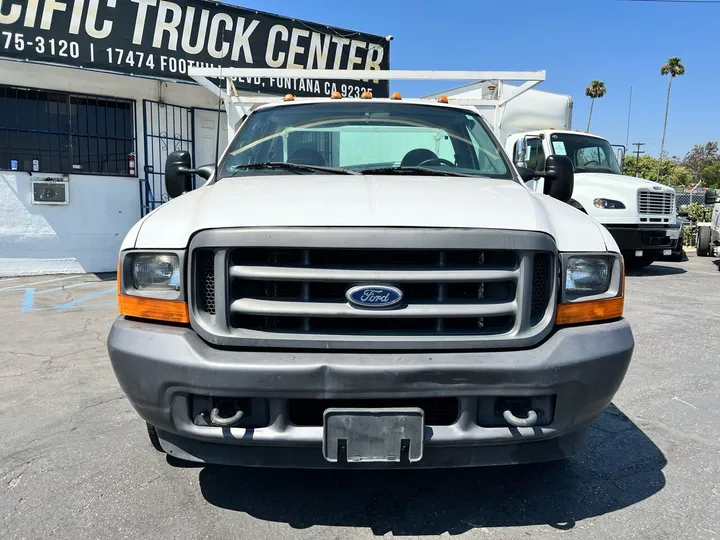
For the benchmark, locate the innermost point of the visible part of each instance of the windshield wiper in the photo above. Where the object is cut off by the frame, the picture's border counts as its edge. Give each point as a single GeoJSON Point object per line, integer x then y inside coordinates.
{"type": "Point", "coordinates": [413, 170]}
{"type": "Point", "coordinates": [294, 167]}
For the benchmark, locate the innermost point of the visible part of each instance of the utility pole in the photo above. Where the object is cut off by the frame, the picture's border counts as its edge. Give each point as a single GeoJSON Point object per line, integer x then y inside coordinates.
{"type": "Point", "coordinates": [637, 153]}
{"type": "Point", "coordinates": [627, 136]}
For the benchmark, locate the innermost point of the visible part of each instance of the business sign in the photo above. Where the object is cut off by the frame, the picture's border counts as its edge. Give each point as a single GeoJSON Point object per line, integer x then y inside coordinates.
{"type": "Point", "coordinates": [163, 38]}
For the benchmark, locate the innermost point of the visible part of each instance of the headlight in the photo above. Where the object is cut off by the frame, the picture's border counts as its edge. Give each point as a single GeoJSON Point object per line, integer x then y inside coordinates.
{"type": "Point", "coordinates": [154, 272]}
{"type": "Point", "coordinates": [150, 286]}
{"type": "Point", "coordinates": [608, 204]}
{"type": "Point", "coordinates": [587, 275]}
{"type": "Point", "coordinates": [593, 288]}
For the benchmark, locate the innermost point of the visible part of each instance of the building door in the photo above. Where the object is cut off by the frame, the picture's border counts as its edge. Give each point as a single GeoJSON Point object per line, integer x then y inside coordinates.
{"type": "Point", "coordinates": [168, 128]}
{"type": "Point", "coordinates": [206, 136]}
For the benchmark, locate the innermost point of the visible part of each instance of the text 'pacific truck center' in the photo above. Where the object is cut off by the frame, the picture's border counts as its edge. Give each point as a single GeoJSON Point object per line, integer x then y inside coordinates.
{"type": "Point", "coordinates": [369, 282]}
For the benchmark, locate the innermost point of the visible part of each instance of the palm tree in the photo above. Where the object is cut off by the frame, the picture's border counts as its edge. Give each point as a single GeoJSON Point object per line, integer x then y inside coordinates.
{"type": "Point", "coordinates": [595, 90]}
{"type": "Point", "coordinates": [673, 68]}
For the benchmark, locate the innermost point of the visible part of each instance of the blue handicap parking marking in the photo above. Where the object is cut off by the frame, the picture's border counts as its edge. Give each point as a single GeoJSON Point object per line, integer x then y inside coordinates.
{"type": "Point", "coordinates": [41, 287]}
{"type": "Point", "coordinates": [28, 303]}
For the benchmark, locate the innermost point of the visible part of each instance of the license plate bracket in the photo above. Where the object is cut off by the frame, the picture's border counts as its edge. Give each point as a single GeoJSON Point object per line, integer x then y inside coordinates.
{"type": "Point", "coordinates": [373, 435]}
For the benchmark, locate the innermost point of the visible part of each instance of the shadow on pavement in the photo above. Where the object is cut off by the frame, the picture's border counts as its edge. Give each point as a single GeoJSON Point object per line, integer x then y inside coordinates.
{"type": "Point", "coordinates": [620, 467]}
{"type": "Point", "coordinates": [656, 269]}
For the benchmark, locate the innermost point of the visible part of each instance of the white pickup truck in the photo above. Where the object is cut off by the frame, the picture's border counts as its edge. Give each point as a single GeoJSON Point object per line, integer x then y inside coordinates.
{"type": "Point", "coordinates": [343, 292]}
{"type": "Point", "coordinates": [531, 124]}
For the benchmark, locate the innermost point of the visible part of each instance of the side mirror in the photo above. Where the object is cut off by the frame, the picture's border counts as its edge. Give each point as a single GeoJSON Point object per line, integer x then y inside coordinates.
{"type": "Point", "coordinates": [178, 174]}
{"type": "Point", "coordinates": [520, 153]}
{"type": "Point", "coordinates": [205, 172]}
{"type": "Point", "coordinates": [525, 173]}
{"type": "Point", "coordinates": [559, 178]}
{"type": "Point", "coordinates": [711, 197]}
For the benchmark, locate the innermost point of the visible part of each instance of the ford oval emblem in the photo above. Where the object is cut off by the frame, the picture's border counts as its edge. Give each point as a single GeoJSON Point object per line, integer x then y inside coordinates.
{"type": "Point", "coordinates": [374, 296]}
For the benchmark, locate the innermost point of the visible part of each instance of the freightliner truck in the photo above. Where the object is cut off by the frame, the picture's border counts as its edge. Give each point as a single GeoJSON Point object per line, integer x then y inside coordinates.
{"type": "Point", "coordinates": [532, 124]}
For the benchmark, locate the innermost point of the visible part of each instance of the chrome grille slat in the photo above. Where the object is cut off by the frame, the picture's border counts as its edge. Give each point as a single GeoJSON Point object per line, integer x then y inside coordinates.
{"type": "Point", "coordinates": [650, 202]}
{"type": "Point", "coordinates": [274, 308]}
{"type": "Point", "coordinates": [279, 273]}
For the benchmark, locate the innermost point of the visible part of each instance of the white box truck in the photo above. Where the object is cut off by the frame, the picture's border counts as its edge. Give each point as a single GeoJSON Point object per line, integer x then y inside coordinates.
{"type": "Point", "coordinates": [532, 124]}
{"type": "Point", "coordinates": [367, 282]}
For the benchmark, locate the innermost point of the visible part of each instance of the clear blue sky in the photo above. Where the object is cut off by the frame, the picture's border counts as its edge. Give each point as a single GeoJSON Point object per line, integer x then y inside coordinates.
{"type": "Point", "coordinates": [622, 43]}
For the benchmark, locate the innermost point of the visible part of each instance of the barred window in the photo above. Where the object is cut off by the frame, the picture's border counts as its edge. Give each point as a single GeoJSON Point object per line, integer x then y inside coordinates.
{"type": "Point", "coordinates": [57, 132]}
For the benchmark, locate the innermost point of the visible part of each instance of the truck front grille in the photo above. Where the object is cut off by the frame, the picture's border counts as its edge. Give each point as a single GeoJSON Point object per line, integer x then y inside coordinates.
{"type": "Point", "coordinates": [288, 295]}
{"type": "Point", "coordinates": [650, 202]}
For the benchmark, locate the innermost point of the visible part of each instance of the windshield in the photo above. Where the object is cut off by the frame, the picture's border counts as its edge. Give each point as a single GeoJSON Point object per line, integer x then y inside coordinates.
{"type": "Point", "coordinates": [364, 137]}
{"type": "Point", "coordinates": [588, 154]}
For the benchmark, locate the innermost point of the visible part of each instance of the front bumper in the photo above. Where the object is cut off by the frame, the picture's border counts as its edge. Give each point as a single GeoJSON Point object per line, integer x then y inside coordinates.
{"type": "Point", "coordinates": [160, 367]}
{"type": "Point", "coordinates": [642, 238]}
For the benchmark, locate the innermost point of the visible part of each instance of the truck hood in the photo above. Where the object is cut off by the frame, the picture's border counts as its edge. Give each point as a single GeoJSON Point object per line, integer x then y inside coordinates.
{"type": "Point", "coordinates": [622, 182]}
{"type": "Point", "coordinates": [365, 201]}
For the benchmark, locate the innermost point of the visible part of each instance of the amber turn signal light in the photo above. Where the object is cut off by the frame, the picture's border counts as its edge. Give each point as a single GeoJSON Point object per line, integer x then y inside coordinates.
{"type": "Point", "coordinates": [591, 311]}
{"type": "Point", "coordinates": [152, 308]}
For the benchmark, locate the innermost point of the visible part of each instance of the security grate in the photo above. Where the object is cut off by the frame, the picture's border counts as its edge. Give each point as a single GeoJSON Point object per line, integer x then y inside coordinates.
{"type": "Point", "coordinates": [57, 132]}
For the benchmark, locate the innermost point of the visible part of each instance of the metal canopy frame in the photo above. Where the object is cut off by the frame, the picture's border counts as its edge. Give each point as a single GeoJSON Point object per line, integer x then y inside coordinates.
{"type": "Point", "coordinates": [238, 106]}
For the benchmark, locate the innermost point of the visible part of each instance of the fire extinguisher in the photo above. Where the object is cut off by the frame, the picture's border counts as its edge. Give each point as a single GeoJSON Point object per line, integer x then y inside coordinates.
{"type": "Point", "coordinates": [131, 164]}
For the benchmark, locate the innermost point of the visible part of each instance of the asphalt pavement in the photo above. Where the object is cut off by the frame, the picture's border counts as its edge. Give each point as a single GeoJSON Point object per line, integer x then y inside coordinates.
{"type": "Point", "coordinates": [75, 461]}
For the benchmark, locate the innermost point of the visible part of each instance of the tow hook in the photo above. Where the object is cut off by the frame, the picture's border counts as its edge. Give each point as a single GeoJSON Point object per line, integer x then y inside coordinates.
{"type": "Point", "coordinates": [513, 420]}
{"type": "Point", "coordinates": [217, 420]}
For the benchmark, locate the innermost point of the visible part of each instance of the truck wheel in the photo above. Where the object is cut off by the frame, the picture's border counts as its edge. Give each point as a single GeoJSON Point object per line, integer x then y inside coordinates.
{"type": "Point", "coordinates": [154, 440]}
{"type": "Point", "coordinates": [703, 242]}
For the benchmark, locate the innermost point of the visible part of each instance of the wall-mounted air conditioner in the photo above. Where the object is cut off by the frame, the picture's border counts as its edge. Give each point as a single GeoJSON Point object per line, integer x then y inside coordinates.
{"type": "Point", "coordinates": [51, 191]}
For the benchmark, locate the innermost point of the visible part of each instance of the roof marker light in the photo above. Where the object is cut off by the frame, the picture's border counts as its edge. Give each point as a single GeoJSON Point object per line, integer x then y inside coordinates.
{"type": "Point", "coordinates": [443, 99]}
{"type": "Point", "coordinates": [289, 97]}
{"type": "Point", "coordinates": [396, 95]}
{"type": "Point", "coordinates": [336, 95]}
{"type": "Point", "coordinates": [366, 95]}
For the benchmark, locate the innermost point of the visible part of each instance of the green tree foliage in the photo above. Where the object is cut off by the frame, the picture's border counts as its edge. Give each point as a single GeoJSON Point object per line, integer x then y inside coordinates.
{"type": "Point", "coordinates": [701, 157]}
{"type": "Point", "coordinates": [672, 172]}
{"type": "Point", "coordinates": [645, 167]}
{"type": "Point", "coordinates": [710, 175]}
{"type": "Point", "coordinates": [698, 212]}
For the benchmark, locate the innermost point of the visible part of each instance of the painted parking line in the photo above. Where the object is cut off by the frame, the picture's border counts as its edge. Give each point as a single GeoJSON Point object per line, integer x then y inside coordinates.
{"type": "Point", "coordinates": [21, 286]}
{"type": "Point", "coordinates": [75, 303]}
{"type": "Point", "coordinates": [65, 287]}
{"type": "Point", "coordinates": [28, 304]}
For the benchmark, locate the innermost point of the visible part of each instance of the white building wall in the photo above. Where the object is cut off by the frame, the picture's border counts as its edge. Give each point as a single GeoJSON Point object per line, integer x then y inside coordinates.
{"type": "Point", "coordinates": [85, 235]}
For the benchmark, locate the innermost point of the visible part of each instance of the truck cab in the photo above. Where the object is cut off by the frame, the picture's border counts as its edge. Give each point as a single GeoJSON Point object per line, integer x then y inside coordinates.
{"type": "Point", "coordinates": [640, 214]}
